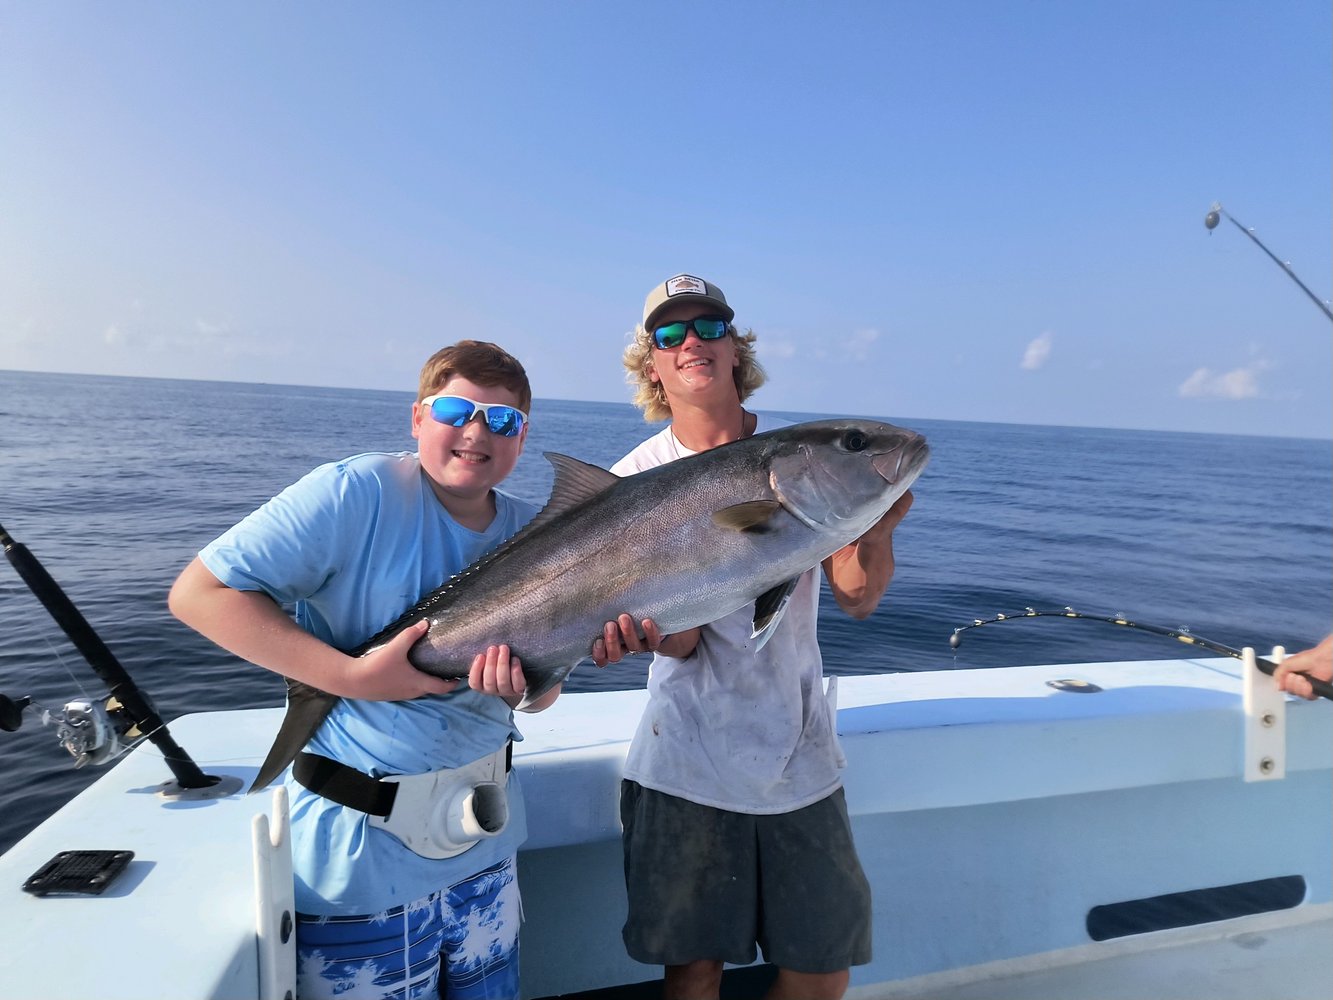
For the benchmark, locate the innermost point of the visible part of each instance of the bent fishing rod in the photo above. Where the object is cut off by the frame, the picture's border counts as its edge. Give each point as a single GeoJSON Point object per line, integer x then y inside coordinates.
{"type": "Point", "coordinates": [133, 702]}
{"type": "Point", "coordinates": [1322, 688]}
{"type": "Point", "coordinates": [1217, 213]}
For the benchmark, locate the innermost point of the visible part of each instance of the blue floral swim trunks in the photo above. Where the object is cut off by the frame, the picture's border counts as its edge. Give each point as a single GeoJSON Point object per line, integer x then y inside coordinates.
{"type": "Point", "coordinates": [469, 931]}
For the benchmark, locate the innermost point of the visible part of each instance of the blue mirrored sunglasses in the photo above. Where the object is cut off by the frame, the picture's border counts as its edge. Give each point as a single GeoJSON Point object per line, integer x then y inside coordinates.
{"type": "Point", "coordinates": [671, 335]}
{"type": "Point", "coordinates": [456, 411]}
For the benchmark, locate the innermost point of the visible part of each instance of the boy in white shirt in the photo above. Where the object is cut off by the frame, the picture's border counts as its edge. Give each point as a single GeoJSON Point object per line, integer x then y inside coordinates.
{"type": "Point", "coordinates": [735, 826]}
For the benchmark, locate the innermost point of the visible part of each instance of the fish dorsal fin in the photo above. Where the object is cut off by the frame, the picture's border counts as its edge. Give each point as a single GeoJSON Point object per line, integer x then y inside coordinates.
{"type": "Point", "coordinates": [575, 482]}
{"type": "Point", "coordinates": [753, 515]}
{"type": "Point", "coordinates": [768, 611]}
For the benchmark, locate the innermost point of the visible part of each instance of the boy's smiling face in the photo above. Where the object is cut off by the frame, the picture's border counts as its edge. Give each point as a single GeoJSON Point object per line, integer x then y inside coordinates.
{"type": "Point", "coordinates": [464, 463]}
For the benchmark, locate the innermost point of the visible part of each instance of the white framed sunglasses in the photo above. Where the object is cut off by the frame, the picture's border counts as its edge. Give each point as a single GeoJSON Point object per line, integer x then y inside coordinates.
{"type": "Point", "coordinates": [456, 411]}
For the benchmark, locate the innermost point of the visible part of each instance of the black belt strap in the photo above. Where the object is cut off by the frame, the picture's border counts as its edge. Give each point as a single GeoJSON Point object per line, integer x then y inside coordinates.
{"type": "Point", "coordinates": [349, 787]}
{"type": "Point", "coordinates": [344, 785]}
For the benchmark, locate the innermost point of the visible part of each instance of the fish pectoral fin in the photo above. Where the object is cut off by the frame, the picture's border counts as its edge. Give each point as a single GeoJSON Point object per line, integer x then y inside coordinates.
{"type": "Point", "coordinates": [753, 515]}
{"type": "Point", "coordinates": [768, 611]}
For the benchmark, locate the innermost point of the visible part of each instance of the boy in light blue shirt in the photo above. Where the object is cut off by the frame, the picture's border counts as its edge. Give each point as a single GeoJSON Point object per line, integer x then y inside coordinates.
{"type": "Point", "coordinates": [352, 546]}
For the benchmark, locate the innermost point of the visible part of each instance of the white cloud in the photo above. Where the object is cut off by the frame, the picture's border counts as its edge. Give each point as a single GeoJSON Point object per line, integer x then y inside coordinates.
{"type": "Point", "coordinates": [855, 346]}
{"type": "Point", "coordinates": [207, 341]}
{"type": "Point", "coordinates": [859, 343]}
{"type": "Point", "coordinates": [211, 331]}
{"type": "Point", "coordinates": [1239, 383]}
{"type": "Point", "coordinates": [776, 348]}
{"type": "Point", "coordinates": [1037, 353]}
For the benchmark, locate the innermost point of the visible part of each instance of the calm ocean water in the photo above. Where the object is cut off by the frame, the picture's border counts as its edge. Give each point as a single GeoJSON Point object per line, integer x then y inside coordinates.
{"type": "Point", "coordinates": [115, 484]}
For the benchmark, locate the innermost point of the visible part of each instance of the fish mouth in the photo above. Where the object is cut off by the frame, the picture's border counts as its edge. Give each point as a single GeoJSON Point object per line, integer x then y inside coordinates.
{"type": "Point", "coordinates": [903, 462]}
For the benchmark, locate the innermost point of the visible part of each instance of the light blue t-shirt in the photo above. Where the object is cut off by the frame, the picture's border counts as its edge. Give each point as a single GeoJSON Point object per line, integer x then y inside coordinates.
{"type": "Point", "coordinates": [352, 546]}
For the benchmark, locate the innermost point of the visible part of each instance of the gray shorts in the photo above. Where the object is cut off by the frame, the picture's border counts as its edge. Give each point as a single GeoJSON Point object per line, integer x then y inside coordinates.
{"type": "Point", "coordinates": [706, 883]}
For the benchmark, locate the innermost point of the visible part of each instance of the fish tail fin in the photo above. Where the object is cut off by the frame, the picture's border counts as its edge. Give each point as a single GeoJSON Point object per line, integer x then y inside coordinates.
{"type": "Point", "coordinates": [307, 708]}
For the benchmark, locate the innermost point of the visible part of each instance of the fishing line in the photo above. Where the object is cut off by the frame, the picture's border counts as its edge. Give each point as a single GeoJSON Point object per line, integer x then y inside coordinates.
{"type": "Point", "coordinates": [156, 754]}
{"type": "Point", "coordinates": [134, 744]}
{"type": "Point", "coordinates": [59, 658]}
{"type": "Point", "coordinates": [48, 717]}
{"type": "Point", "coordinates": [1322, 688]}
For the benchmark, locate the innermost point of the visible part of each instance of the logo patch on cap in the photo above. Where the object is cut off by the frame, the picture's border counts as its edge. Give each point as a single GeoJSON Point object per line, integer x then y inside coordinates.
{"type": "Point", "coordinates": [683, 284]}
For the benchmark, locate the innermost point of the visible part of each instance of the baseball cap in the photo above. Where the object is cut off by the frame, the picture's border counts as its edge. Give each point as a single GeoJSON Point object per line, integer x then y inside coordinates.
{"type": "Point", "coordinates": [685, 288]}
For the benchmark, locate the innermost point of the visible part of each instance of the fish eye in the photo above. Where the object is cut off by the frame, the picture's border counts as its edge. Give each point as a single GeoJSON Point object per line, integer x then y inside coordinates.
{"type": "Point", "coordinates": [855, 440]}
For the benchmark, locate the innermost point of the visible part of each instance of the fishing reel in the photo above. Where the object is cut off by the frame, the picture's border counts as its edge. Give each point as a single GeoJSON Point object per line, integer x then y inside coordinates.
{"type": "Point", "coordinates": [91, 732]}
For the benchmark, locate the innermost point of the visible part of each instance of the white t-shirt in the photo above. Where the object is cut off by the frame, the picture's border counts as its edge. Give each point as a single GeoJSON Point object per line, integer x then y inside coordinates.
{"type": "Point", "coordinates": [728, 727]}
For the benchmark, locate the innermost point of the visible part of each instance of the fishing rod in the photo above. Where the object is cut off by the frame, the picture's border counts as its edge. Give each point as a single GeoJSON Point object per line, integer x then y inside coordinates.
{"type": "Point", "coordinates": [1217, 213]}
{"type": "Point", "coordinates": [85, 724]}
{"type": "Point", "coordinates": [1321, 688]}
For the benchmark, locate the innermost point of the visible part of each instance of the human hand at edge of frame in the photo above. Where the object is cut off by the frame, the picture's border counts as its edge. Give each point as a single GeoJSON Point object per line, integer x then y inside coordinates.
{"type": "Point", "coordinates": [1316, 662]}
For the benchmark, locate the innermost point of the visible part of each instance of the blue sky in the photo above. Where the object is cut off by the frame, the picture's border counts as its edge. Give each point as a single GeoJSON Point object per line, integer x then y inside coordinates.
{"type": "Point", "coordinates": [985, 210]}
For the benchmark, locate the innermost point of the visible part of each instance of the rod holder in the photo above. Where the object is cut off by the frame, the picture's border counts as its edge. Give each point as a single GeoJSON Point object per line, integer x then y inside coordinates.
{"type": "Point", "coordinates": [1265, 720]}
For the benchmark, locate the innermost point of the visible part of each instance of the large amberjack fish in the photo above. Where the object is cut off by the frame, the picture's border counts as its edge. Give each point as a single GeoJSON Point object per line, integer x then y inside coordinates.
{"type": "Point", "coordinates": [683, 544]}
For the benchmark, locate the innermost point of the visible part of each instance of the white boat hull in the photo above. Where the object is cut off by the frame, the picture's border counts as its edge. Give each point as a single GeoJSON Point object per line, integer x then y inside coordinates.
{"type": "Point", "coordinates": [991, 811]}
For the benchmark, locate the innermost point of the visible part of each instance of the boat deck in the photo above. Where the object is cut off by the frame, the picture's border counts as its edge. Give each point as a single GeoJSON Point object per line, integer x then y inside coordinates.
{"type": "Point", "coordinates": [992, 814]}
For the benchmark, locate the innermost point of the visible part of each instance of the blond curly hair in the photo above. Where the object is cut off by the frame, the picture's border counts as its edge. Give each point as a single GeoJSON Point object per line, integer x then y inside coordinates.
{"type": "Point", "coordinates": [650, 397]}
